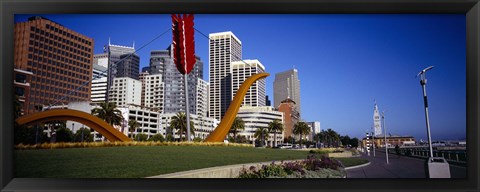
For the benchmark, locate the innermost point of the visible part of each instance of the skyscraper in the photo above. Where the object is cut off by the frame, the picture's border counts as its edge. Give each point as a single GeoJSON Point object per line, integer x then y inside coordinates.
{"type": "Point", "coordinates": [99, 84]}
{"type": "Point", "coordinates": [202, 98]}
{"type": "Point", "coordinates": [224, 48]}
{"type": "Point", "coordinates": [152, 91]}
{"type": "Point", "coordinates": [122, 62]}
{"type": "Point", "coordinates": [59, 59]}
{"type": "Point", "coordinates": [125, 91]}
{"type": "Point", "coordinates": [241, 70]}
{"type": "Point", "coordinates": [161, 62]}
{"type": "Point", "coordinates": [287, 86]}
{"type": "Point", "coordinates": [290, 116]}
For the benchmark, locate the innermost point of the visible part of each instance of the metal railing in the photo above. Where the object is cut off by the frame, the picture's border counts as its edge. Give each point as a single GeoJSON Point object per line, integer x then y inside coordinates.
{"type": "Point", "coordinates": [457, 156]}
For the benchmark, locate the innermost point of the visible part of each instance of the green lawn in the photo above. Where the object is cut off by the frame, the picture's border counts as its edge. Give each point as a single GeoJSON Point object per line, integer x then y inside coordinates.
{"type": "Point", "coordinates": [137, 161]}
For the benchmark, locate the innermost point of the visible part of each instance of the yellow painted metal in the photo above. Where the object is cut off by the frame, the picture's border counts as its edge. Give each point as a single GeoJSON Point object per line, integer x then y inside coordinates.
{"type": "Point", "coordinates": [87, 119]}
{"type": "Point", "coordinates": [218, 135]}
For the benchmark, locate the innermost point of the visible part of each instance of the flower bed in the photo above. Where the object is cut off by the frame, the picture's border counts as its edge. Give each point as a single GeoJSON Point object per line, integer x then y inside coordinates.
{"type": "Point", "coordinates": [312, 167]}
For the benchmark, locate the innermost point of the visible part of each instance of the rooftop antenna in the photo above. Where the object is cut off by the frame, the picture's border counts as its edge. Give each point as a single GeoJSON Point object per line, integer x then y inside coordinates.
{"type": "Point", "coordinates": [109, 41]}
{"type": "Point", "coordinates": [134, 44]}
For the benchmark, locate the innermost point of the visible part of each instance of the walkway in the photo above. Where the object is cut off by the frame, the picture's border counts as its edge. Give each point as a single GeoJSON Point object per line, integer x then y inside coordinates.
{"type": "Point", "coordinates": [398, 167]}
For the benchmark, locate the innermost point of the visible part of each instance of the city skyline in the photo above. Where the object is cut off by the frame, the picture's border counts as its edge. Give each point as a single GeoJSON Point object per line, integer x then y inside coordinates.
{"type": "Point", "coordinates": [337, 66]}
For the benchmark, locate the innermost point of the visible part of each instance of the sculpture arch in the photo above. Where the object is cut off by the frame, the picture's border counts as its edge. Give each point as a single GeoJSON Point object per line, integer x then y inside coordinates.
{"type": "Point", "coordinates": [222, 129]}
{"type": "Point", "coordinates": [87, 119]}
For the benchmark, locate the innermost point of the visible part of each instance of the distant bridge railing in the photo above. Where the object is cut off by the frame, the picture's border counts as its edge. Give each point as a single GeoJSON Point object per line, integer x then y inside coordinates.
{"type": "Point", "coordinates": [454, 155]}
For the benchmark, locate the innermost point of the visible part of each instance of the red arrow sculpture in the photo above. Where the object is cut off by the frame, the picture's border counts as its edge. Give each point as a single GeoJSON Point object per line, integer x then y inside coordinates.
{"type": "Point", "coordinates": [183, 42]}
{"type": "Point", "coordinates": [184, 52]}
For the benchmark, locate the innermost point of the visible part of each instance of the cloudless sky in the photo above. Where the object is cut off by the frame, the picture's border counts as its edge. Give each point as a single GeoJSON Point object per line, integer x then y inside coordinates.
{"type": "Point", "coordinates": [344, 62]}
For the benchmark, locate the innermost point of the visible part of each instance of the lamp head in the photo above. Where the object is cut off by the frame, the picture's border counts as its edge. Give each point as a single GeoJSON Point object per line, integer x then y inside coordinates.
{"type": "Point", "coordinates": [424, 70]}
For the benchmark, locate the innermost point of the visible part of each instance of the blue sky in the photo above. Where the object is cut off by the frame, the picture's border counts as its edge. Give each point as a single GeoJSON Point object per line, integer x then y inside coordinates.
{"type": "Point", "coordinates": [344, 62]}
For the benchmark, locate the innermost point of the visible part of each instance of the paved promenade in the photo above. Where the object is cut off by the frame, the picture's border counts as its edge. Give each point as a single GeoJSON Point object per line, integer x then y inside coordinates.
{"type": "Point", "coordinates": [398, 167]}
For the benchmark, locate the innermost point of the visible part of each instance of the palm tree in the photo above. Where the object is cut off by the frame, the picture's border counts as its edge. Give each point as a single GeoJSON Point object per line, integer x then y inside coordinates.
{"type": "Point", "coordinates": [260, 133]}
{"type": "Point", "coordinates": [332, 136]}
{"type": "Point", "coordinates": [133, 125]}
{"type": "Point", "coordinates": [179, 121]}
{"type": "Point", "coordinates": [275, 126]}
{"type": "Point", "coordinates": [109, 113]}
{"type": "Point", "coordinates": [322, 137]}
{"type": "Point", "coordinates": [237, 125]}
{"type": "Point", "coordinates": [301, 128]}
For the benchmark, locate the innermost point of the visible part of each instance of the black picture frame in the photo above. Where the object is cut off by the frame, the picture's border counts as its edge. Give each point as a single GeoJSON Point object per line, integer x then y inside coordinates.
{"type": "Point", "coordinates": [471, 8]}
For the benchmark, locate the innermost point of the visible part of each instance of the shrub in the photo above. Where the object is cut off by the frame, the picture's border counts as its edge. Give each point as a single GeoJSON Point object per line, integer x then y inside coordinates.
{"type": "Point", "coordinates": [157, 137]}
{"type": "Point", "coordinates": [293, 167]}
{"type": "Point", "coordinates": [141, 137]}
{"type": "Point", "coordinates": [122, 144]}
{"type": "Point", "coordinates": [312, 167]}
{"type": "Point", "coordinates": [87, 135]}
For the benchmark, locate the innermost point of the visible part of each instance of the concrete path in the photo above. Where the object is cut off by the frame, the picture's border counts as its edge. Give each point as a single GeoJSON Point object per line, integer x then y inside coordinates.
{"type": "Point", "coordinates": [398, 167]}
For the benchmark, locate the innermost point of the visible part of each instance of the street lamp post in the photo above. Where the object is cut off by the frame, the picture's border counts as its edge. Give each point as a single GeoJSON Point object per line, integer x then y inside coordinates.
{"type": "Point", "coordinates": [423, 82]}
{"type": "Point", "coordinates": [82, 133]}
{"type": "Point", "coordinates": [385, 134]}
{"type": "Point", "coordinates": [373, 142]}
{"type": "Point", "coordinates": [367, 143]}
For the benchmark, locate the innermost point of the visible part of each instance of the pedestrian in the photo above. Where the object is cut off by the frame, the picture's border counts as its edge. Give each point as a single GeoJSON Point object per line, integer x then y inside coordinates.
{"type": "Point", "coordinates": [397, 150]}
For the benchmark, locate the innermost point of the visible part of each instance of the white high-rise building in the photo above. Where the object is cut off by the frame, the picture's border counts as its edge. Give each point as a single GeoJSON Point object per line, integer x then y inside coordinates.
{"type": "Point", "coordinates": [125, 91]}
{"type": "Point", "coordinates": [202, 98]}
{"type": "Point", "coordinates": [314, 129]}
{"type": "Point", "coordinates": [224, 48]}
{"type": "Point", "coordinates": [122, 61]}
{"type": "Point", "coordinates": [241, 70]}
{"type": "Point", "coordinates": [148, 120]}
{"type": "Point", "coordinates": [161, 62]}
{"type": "Point", "coordinates": [287, 86]}
{"type": "Point", "coordinates": [203, 125]}
{"type": "Point", "coordinates": [256, 117]}
{"type": "Point", "coordinates": [99, 84]}
{"type": "Point", "coordinates": [101, 59]}
{"type": "Point", "coordinates": [152, 91]}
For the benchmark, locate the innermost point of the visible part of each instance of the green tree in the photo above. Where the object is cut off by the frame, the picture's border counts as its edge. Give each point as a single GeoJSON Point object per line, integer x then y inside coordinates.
{"type": "Point", "coordinates": [28, 135]}
{"type": "Point", "coordinates": [260, 134]}
{"type": "Point", "coordinates": [141, 137]}
{"type": "Point", "coordinates": [197, 139]}
{"type": "Point", "coordinates": [170, 137]}
{"type": "Point", "coordinates": [132, 126]}
{"type": "Point", "coordinates": [274, 127]}
{"type": "Point", "coordinates": [301, 128]}
{"type": "Point", "coordinates": [179, 122]}
{"type": "Point", "coordinates": [157, 137]}
{"type": "Point", "coordinates": [332, 138]}
{"type": "Point", "coordinates": [238, 124]}
{"type": "Point", "coordinates": [354, 142]}
{"type": "Point", "coordinates": [109, 113]}
{"type": "Point", "coordinates": [288, 139]}
{"type": "Point", "coordinates": [345, 140]}
{"type": "Point", "coordinates": [64, 135]}
{"type": "Point", "coordinates": [85, 137]}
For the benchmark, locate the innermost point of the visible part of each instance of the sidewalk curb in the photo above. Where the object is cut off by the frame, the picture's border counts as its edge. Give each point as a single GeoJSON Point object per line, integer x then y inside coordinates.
{"type": "Point", "coordinates": [357, 166]}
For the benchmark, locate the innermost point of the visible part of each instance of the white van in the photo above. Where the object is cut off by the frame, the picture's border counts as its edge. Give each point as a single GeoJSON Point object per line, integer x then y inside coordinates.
{"type": "Point", "coordinates": [286, 146]}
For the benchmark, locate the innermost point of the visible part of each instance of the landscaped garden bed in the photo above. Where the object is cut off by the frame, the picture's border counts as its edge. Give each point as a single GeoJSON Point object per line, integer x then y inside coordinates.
{"type": "Point", "coordinates": [312, 167]}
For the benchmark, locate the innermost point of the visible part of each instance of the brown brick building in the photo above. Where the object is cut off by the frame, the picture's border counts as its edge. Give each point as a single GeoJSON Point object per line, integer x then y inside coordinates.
{"type": "Point", "coordinates": [392, 140]}
{"type": "Point", "coordinates": [59, 59]}
{"type": "Point", "coordinates": [290, 116]}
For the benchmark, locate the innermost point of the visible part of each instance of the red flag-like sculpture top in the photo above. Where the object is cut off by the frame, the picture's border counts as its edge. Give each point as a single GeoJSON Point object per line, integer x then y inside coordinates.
{"type": "Point", "coordinates": [183, 42]}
